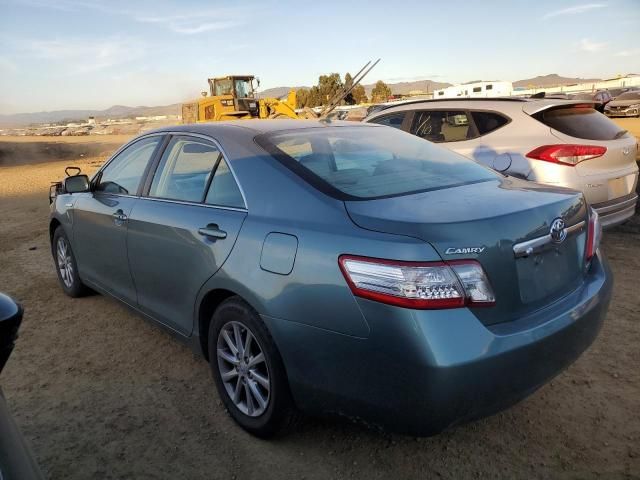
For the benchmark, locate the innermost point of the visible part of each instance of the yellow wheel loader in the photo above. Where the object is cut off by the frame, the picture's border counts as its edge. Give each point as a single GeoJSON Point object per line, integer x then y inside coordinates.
{"type": "Point", "coordinates": [234, 98]}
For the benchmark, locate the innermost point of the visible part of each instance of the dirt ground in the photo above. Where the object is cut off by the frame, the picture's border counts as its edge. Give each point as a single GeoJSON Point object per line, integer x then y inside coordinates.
{"type": "Point", "coordinates": [101, 393]}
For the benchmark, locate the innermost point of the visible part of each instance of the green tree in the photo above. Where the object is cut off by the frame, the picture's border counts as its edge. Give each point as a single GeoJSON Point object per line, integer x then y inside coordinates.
{"type": "Point", "coordinates": [328, 85]}
{"type": "Point", "coordinates": [359, 95]}
{"type": "Point", "coordinates": [302, 97]}
{"type": "Point", "coordinates": [381, 92]}
{"type": "Point", "coordinates": [348, 81]}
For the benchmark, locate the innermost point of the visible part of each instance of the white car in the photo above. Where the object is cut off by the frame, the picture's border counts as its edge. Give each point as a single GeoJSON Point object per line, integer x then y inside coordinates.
{"type": "Point", "coordinates": [558, 142]}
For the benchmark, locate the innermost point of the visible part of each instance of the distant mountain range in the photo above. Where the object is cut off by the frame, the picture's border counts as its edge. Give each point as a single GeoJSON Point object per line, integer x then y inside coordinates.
{"type": "Point", "coordinates": [121, 111]}
{"type": "Point", "coordinates": [116, 111]}
{"type": "Point", "coordinates": [401, 88]}
{"type": "Point", "coordinates": [551, 80]}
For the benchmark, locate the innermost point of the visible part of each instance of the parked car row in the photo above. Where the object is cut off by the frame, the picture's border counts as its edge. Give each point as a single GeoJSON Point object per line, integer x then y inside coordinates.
{"type": "Point", "coordinates": [351, 268]}
{"type": "Point", "coordinates": [624, 105]}
{"type": "Point", "coordinates": [551, 141]}
{"type": "Point", "coordinates": [626, 100]}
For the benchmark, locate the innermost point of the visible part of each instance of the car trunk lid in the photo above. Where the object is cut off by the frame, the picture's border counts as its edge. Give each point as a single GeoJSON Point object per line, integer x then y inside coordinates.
{"type": "Point", "coordinates": [484, 221]}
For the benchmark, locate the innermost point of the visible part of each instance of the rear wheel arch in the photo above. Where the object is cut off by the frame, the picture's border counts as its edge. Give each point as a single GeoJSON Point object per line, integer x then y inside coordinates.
{"type": "Point", "coordinates": [208, 305]}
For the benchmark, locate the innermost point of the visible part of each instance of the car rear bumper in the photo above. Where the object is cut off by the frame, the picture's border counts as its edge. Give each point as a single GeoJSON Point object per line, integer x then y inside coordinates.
{"type": "Point", "coordinates": [616, 211]}
{"type": "Point", "coordinates": [420, 372]}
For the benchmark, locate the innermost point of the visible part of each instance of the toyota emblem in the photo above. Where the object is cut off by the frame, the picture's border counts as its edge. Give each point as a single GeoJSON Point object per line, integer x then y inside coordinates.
{"type": "Point", "coordinates": [558, 231]}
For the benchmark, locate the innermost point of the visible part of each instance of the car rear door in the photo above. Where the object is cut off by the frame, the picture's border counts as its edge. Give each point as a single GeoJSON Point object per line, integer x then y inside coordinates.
{"type": "Point", "coordinates": [183, 228]}
{"type": "Point", "coordinates": [100, 219]}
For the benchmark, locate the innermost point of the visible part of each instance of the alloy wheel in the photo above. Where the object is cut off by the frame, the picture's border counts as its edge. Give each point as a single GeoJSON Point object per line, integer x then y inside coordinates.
{"type": "Point", "coordinates": [65, 264]}
{"type": "Point", "coordinates": [243, 369]}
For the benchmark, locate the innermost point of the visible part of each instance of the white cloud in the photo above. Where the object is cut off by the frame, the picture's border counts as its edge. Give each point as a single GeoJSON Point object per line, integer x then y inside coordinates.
{"type": "Point", "coordinates": [200, 22]}
{"type": "Point", "coordinates": [627, 53]}
{"type": "Point", "coordinates": [191, 23]}
{"type": "Point", "coordinates": [590, 46]}
{"type": "Point", "coordinates": [82, 56]}
{"type": "Point", "coordinates": [575, 10]}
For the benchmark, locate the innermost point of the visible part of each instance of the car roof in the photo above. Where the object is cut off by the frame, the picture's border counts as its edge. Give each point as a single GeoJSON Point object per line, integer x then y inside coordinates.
{"type": "Point", "coordinates": [256, 126]}
{"type": "Point", "coordinates": [503, 104]}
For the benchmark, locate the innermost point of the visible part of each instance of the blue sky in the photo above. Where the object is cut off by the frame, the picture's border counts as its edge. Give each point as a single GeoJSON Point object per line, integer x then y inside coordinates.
{"type": "Point", "coordinates": [70, 54]}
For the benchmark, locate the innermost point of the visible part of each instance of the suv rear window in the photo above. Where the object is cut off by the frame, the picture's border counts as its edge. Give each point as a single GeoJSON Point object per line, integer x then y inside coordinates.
{"type": "Point", "coordinates": [356, 163]}
{"type": "Point", "coordinates": [487, 122]}
{"type": "Point", "coordinates": [580, 122]}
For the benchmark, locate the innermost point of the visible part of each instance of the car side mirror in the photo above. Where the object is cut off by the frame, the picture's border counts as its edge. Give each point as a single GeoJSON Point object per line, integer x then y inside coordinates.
{"type": "Point", "coordinates": [76, 184]}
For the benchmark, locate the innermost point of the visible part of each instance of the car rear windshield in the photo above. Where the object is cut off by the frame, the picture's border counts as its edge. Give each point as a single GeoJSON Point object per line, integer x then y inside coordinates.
{"type": "Point", "coordinates": [355, 163]}
{"type": "Point", "coordinates": [580, 122]}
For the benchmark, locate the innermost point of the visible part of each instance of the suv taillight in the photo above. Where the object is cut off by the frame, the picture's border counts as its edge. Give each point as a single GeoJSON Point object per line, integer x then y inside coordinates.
{"type": "Point", "coordinates": [567, 154]}
{"type": "Point", "coordinates": [594, 234]}
{"type": "Point", "coordinates": [418, 285]}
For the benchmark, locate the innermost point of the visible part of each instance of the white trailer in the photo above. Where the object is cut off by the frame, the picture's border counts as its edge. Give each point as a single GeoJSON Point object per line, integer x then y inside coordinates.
{"type": "Point", "coordinates": [476, 90]}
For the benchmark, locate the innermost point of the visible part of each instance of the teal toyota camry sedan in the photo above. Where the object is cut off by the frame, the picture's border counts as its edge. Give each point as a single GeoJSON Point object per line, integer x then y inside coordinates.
{"type": "Point", "coordinates": [339, 268]}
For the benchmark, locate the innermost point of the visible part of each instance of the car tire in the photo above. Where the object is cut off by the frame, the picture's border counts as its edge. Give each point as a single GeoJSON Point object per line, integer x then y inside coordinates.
{"type": "Point", "coordinates": [66, 266]}
{"type": "Point", "coordinates": [242, 380]}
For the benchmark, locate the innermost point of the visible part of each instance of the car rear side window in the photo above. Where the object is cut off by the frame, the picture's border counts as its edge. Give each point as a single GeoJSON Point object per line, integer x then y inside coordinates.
{"type": "Point", "coordinates": [355, 163]}
{"type": "Point", "coordinates": [224, 190]}
{"type": "Point", "coordinates": [442, 125]}
{"type": "Point", "coordinates": [392, 120]}
{"type": "Point", "coordinates": [487, 122]}
{"type": "Point", "coordinates": [185, 169]}
{"type": "Point", "coordinates": [580, 122]}
{"type": "Point", "coordinates": [123, 174]}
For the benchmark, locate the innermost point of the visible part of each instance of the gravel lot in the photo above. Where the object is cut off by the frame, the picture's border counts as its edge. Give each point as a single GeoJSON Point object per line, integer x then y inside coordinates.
{"type": "Point", "coordinates": [101, 393]}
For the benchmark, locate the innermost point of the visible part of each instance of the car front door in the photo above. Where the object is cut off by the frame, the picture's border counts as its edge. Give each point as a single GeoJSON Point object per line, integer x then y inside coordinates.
{"type": "Point", "coordinates": [100, 219]}
{"type": "Point", "coordinates": [183, 228]}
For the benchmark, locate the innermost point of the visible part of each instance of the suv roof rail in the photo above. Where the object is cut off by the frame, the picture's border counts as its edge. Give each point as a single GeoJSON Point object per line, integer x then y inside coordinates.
{"type": "Point", "coordinates": [456, 99]}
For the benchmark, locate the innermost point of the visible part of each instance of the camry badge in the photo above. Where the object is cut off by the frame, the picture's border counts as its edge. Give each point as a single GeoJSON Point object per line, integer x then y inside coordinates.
{"type": "Point", "coordinates": [455, 251]}
{"type": "Point", "coordinates": [626, 150]}
{"type": "Point", "coordinates": [558, 231]}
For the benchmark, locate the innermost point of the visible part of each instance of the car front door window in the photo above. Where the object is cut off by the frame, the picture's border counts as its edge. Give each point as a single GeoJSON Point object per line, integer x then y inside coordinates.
{"type": "Point", "coordinates": [123, 174]}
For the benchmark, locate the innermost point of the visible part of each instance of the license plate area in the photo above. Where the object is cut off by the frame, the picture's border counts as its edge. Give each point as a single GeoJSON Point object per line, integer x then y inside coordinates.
{"type": "Point", "coordinates": [552, 272]}
{"type": "Point", "coordinates": [618, 187]}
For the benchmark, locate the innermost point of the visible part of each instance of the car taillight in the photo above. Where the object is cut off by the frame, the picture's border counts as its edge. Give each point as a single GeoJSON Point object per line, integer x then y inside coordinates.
{"type": "Point", "coordinates": [567, 154]}
{"type": "Point", "coordinates": [594, 234]}
{"type": "Point", "coordinates": [418, 285]}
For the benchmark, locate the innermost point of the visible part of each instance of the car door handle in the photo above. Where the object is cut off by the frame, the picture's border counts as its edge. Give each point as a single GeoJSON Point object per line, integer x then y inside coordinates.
{"type": "Point", "coordinates": [212, 231]}
{"type": "Point", "coordinates": [119, 217]}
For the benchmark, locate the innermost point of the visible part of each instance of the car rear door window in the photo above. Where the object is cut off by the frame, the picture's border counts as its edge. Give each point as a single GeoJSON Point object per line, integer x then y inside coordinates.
{"type": "Point", "coordinates": [487, 122]}
{"type": "Point", "coordinates": [392, 120]}
{"type": "Point", "coordinates": [442, 125]}
{"type": "Point", "coordinates": [123, 174]}
{"type": "Point", "coordinates": [224, 190]}
{"type": "Point", "coordinates": [580, 122]}
{"type": "Point", "coordinates": [185, 169]}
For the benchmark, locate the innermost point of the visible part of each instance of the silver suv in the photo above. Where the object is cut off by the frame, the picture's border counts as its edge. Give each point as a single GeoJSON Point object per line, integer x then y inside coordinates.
{"type": "Point", "coordinates": [558, 142]}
